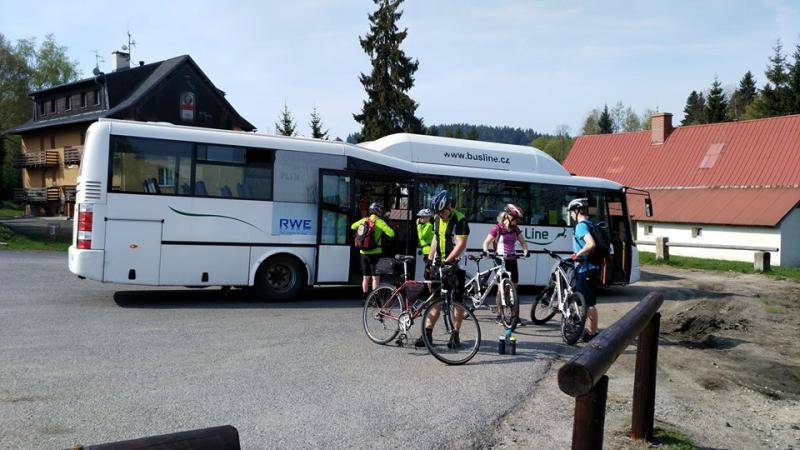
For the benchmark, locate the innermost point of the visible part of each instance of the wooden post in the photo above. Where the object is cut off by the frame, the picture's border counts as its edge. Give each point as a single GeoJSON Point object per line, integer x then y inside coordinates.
{"type": "Point", "coordinates": [662, 249]}
{"type": "Point", "coordinates": [590, 416]}
{"type": "Point", "coordinates": [644, 382]}
{"type": "Point", "coordinates": [761, 261]}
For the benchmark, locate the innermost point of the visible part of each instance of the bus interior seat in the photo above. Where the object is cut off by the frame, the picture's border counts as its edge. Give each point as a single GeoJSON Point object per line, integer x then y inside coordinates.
{"type": "Point", "coordinates": [241, 190]}
{"type": "Point", "coordinates": [185, 189]}
{"type": "Point", "coordinates": [225, 191]}
{"type": "Point", "coordinates": [151, 186]}
{"type": "Point", "coordinates": [200, 189]}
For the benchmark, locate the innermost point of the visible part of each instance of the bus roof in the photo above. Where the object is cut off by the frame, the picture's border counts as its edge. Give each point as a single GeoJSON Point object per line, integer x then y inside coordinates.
{"type": "Point", "coordinates": [466, 153]}
{"type": "Point", "coordinates": [429, 155]}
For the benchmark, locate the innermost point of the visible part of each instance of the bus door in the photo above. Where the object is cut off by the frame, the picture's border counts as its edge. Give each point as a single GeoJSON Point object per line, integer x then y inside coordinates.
{"type": "Point", "coordinates": [607, 211]}
{"type": "Point", "coordinates": [333, 243]}
{"type": "Point", "coordinates": [395, 194]}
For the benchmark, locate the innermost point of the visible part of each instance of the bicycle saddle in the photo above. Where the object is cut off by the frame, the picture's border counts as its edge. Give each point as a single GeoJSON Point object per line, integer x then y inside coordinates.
{"type": "Point", "coordinates": [404, 258]}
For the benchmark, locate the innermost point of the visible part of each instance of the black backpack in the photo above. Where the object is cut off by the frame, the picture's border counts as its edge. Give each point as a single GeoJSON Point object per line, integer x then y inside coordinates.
{"type": "Point", "coordinates": [601, 253]}
{"type": "Point", "coordinates": [365, 236]}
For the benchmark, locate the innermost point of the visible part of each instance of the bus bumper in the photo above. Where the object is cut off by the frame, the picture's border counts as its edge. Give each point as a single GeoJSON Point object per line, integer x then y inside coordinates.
{"type": "Point", "coordinates": [86, 263]}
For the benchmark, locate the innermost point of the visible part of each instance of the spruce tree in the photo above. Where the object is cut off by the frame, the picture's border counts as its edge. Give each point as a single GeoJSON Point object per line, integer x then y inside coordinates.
{"type": "Point", "coordinates": [794, 83]}
{"type": "Point", "coordinates": [605, 123]}
{"type": "Point", "coordinates": [388, 108]}
{"type": "Point", "coordinates": [742, 97]}
{"type": "Point", "coordinates": [286, 126]}
{"type": "Point", "coordinates": [775, 97]}
{"type": "Point", "coordinates": [694, 110]}
{"type": "Point", "coordinates": [472, 134]}
{"type": "Point", "coordinates": [316, 126]}
{"type": "Point", "coordinates": [716, 104]}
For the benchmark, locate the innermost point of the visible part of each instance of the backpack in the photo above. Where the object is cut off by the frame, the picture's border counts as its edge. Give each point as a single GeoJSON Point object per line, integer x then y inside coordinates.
{"type": "Point", "coordinates": [365, 236]}
{"type": "Point", "coordinates": [601, 253]}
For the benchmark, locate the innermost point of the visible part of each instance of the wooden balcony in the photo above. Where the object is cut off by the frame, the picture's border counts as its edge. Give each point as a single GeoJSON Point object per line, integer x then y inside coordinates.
{"type": "Point", "coordinates": [31, 195]}
{"type": "Point", "coordinates": [50, 194]}
{"type": "Point", "coordinates": [72, 154]}
{"type": "Point", "coordinates": [45, 158]}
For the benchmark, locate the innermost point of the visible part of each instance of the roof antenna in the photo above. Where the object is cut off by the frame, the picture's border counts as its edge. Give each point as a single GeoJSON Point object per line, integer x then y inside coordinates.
{"type": "Point", "coordinates": [97, 60]}
{"type": "Point", "coordinates": [129, 48]}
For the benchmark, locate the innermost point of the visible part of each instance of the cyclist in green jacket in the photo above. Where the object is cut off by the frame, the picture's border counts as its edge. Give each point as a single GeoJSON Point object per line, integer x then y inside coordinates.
{"type": "Point", "coordinates": [425, 236]}
{"type": "Point", "coordinates": [370, 257]}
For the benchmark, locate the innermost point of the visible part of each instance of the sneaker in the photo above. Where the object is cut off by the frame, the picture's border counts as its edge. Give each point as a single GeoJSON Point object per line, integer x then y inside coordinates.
{"type": "Point", "coordinates": [520, 323]}
{"type": "Point", "coordinates": [498, 320]}
{"type": "Point", "coordinates": [588, 337]}
{"type": "Point", "coordinates": [454, 341]}
{"type": "Point", "coordinates": [420, 342]}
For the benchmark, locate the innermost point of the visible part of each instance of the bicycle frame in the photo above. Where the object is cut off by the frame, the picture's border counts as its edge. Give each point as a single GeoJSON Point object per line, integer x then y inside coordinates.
{"type": "Point", "coordinates": [563, 288]}
{"type": "Point", "coordinates": [499, 273]}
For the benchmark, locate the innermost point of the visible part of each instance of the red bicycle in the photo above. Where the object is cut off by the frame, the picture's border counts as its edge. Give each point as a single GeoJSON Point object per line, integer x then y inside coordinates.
{"type": "Point", "coordinates": [390, 312]}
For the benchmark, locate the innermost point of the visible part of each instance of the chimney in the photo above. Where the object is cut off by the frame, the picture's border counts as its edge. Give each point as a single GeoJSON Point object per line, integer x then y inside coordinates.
{"type": "Point", "coordinates": [660, 127]}
{"type": "Point", "coordinates": [121, 61]}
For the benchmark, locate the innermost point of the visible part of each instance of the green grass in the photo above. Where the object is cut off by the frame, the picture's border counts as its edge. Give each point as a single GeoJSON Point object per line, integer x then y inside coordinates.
{"type": "Point", "coordinates": [685, 262]}
{"type": "Point", "coordinates": [16, 241]}
{"type": "Point", "coordinates": [774, 309]}
{"type": "Point", "coordinates": [672, 440]}
{"type": "Point", "coordinates": [9, 210]}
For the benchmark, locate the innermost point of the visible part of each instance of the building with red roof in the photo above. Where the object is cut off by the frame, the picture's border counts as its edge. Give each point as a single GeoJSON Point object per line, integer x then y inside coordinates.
{"type": "Point", "coordinates": [719, 191]}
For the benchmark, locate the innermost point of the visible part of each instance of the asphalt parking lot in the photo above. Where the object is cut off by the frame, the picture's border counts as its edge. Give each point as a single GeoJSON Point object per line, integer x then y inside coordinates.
{"type": "Point", "coordinates": [84, 362]}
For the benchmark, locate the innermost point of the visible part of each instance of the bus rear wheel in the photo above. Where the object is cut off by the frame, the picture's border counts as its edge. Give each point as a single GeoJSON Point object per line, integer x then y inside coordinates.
{"type": "Point", "coordinates": [279, 278]}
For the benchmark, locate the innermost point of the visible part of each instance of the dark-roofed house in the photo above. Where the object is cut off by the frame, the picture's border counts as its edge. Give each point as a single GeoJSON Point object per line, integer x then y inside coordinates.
{"type": "Point", "coordinates": [174, 91]}
{"type": "Point", "coordinates": [719, 191]}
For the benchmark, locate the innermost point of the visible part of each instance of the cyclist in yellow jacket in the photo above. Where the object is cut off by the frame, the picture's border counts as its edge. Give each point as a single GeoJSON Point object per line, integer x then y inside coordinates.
{"type": "Point", "coordinates": [370, 257]}
{"type": "Point", "coordinates": [425, 236]}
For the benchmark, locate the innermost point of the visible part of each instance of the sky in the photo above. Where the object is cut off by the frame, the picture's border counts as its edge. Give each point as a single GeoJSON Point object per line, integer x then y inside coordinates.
{"type": "Point", "coordinates": [519, 63]}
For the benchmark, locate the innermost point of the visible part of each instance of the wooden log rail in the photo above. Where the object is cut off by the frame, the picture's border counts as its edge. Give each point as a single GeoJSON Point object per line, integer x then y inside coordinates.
{"type": "Point", "coordinates": [583, 377]}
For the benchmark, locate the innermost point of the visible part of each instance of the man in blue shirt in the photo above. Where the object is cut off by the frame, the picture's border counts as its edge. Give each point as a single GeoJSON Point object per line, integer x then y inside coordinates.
{"type": "Point", "coordinates": [586, 273]}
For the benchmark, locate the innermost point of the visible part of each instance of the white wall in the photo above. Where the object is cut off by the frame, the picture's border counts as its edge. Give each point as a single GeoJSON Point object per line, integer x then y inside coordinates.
{"type": "Point", "coordinates": [790, 239]}
{"type": "Point", "coordinates": [719, 235]}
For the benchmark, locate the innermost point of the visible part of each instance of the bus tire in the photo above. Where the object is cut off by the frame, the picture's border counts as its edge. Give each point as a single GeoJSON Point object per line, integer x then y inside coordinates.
{"type": "Point", "coordinates": [279, 278]}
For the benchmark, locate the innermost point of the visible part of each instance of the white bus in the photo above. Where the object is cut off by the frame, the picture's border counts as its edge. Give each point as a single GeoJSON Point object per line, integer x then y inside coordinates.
{"type": "Point", "coordinates": [167, 205]}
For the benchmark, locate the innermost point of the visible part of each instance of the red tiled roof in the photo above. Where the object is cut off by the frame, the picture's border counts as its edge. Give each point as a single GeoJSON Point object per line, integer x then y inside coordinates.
{"type": "Point", "coordinates": [755, 154]}
{"type": "Point", "coordinates": [759, 207]}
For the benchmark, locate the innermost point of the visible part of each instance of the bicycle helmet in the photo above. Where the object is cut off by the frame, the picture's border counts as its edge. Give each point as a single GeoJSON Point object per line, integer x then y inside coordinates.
{"type": "Point", "coordinates": [375, 208]}
{"type": "Point", "coordinates": [514, 211]}
{"type": "Point", "coordinates": [424, 212]}
{"type": "Point", "coordinates": [578, 203]}
{"type": "Point", "coordinates": [440, 202]}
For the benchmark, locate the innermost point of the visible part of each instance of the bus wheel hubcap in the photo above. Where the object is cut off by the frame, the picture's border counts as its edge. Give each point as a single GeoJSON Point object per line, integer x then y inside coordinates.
{"type": "Point", "coordinates": [280, 277]}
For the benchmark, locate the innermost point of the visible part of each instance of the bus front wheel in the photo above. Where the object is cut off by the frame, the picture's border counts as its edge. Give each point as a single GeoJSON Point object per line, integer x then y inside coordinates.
{"type": "Point", "coordinates": [279, 278]}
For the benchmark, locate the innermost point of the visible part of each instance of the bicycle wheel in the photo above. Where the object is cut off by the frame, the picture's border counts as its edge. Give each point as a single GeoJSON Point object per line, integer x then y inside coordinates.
{"type": "Point", "coordinates": [573, 320]}
{"type": "Point", "coordinates": [542, 310]}
{"type": "Point", "coordinates": [446, 346]}
{"type": "Point", "coordinates": [509, 312]}
{"type": "Point", "coordinates": [381, 313]}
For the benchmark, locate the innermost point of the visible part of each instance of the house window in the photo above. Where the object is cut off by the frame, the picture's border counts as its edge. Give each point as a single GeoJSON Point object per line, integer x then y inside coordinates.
{"type": "Point", "coordinates": [53, 105]}
{"type": "Point", "coordinates": [83, 99]}
{"type": "Point", "coordinates": [696, 232]}
{"type": "Point", "coordinates": [42, 109]}
{"type": "Point", "coordinates": [166, 177]}
{"type": "Point", "coordinates": [648, 230]}
{"type": "Point", "coordinates": [97, 96]}
{"type": "Point", "coordinates": [67, 103]}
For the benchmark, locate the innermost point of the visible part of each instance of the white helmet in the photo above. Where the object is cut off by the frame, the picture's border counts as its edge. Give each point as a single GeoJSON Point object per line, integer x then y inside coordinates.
{"type": "Point", "coordinates": [578, 203]}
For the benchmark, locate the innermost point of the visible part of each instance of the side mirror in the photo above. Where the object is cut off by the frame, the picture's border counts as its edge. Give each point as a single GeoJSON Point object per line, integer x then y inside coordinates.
{"type": "Point", "coordinates": [648, 207]}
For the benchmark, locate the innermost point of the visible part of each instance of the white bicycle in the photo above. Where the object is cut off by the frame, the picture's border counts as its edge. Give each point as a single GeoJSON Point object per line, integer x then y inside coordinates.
{"type": "Point", "coordinates": [560, 296]}
{"type": "Point", "coordinates": [477, 288]}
